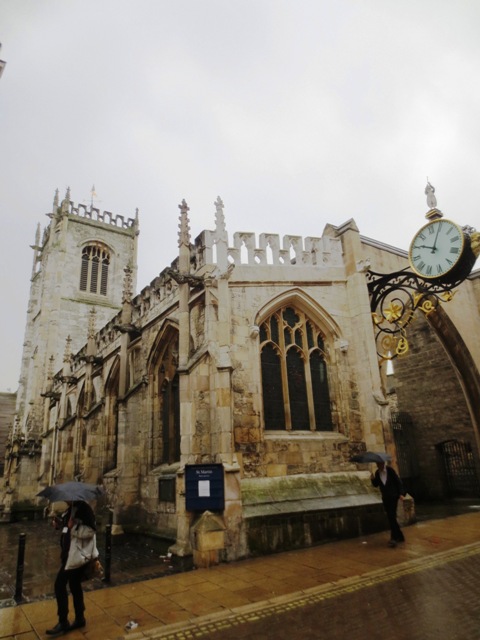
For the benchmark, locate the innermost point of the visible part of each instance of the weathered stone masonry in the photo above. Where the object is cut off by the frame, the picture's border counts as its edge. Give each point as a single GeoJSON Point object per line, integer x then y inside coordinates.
{"type": "Point", "coordinates": [180, 374]}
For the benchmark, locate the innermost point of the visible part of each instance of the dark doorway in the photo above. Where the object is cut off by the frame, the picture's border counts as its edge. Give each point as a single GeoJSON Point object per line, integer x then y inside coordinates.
{"type": "Point", "coordinates": [459, 467]}
{"type": "Point", "coordinates": [402, 428]}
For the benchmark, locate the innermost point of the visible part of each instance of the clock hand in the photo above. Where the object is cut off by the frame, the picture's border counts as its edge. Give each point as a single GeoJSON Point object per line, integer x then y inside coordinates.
{"type": "Point", "coordinates": [434, 248]}
{"type": "Point", "coordinates": [423, 246]}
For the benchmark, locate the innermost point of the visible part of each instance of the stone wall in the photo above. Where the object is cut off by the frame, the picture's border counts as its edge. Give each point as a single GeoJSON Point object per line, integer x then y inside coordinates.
{"type": "Point", "coordinates": [107, 416]}
{"type": "Point", "coordinates": [7, 413]}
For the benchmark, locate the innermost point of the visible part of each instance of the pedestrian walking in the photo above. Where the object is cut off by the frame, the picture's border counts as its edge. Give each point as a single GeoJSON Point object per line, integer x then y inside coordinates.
{"type": "Point", "coordinates": [391, 488]}
{"type": "Point", "coordinates": [78, 547]}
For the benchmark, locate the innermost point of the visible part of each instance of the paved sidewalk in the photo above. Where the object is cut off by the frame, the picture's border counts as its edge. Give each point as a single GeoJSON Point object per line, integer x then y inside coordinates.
{"type": "Point", "coordinates": [134, 558]}
{"type": "Point", "coordinates": [200, 603]}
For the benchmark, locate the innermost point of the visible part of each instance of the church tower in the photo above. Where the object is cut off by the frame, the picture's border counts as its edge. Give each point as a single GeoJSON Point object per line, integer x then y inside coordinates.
{"type": "Point", "coordinates": [78, 265]}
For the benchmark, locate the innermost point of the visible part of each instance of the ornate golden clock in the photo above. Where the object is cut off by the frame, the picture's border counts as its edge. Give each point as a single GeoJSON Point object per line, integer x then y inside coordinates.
{"type": "Point", "coordinates": [441, 250]}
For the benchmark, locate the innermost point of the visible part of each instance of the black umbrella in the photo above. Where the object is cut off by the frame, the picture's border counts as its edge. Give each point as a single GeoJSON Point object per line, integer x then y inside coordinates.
{"type": "Point", "coordinates": [71, 491]}
{"type": "Point", "coordinates": [371, 456]}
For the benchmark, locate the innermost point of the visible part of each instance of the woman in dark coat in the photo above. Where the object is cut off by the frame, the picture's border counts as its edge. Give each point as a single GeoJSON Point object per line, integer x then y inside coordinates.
{"type": "Point", "coordinates": [390, 485]}
{"type": "Point", "coordinates": [77, 521]}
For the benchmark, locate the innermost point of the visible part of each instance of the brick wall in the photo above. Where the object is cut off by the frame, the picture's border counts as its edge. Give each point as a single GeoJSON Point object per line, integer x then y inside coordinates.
{"type": "Point", "coordinates": [428, 390]}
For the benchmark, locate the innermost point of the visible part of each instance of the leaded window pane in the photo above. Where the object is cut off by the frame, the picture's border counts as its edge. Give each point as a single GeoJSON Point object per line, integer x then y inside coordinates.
{"type": "Point", "coordinates": [290, 317]}
{"type": "Point", "coordinates": [104, 278]}
{"type": "Point", "coordinates": [299, 338]}
{"type": "Point", "coordinates": [274, 329]}
{"type": "Point", "coordinates": [263, 332]}
{"type": "Point", "coordinates": [94, 275]}
{"type": "Point", "coordinates": [297, 390]}
{"type": "Point", "coordinates": [273, 405]}
{"type": "Point", "coordinates": [168, 447]}
{"type": "Point", "coordinates": [310, 340]}
{"type": "Point", "coordinates": [84, 273]}
{"type": "Point", "coordinates": [321, 398]}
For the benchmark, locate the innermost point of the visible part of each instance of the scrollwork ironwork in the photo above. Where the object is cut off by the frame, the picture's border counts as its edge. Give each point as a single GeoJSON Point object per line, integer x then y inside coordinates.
{"type": "Point", "coordinates": [394, 298]}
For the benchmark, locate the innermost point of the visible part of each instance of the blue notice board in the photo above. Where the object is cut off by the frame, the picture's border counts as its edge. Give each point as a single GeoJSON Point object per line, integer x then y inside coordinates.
{"type": "Point", "coordinates": [204, 487]}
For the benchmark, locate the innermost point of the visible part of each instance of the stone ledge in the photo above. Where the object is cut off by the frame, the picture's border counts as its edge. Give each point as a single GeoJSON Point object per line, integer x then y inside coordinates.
{"type": "Point", "coordinates": [305, 435]}
{"type": "Point", "coordinates": [307, 492]}
{"type": "Point", "coordinates": [313, 504]}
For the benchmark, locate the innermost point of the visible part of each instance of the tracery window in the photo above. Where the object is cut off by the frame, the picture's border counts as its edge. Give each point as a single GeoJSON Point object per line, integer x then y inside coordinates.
{"type": "Point", "coordinates": [170, 420]}
{"type": "Point", "coordinates": [109, 447]}
{"type": "Point", "coordinates": [94, 269]}
{"type": "Point", "coordinates": [166, 431]}
{"type": "Point", "coordinates": [294, 373]}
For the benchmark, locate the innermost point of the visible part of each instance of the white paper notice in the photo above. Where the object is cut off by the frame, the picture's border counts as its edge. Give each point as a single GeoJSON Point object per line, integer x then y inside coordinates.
{"type": "Point", "coordinates": [204, 488]}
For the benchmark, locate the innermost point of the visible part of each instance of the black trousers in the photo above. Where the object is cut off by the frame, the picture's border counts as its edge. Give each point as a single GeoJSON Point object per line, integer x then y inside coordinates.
{"type": "Point", "coordinates": [72, 578]}
{"type": "Point", "coordinates": [390, 506]}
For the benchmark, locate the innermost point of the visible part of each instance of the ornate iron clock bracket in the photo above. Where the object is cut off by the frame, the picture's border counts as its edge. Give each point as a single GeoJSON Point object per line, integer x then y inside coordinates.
{"type": "Point", "coordinates": [450, 252]}
{"type": "Point", "coordinates": [394, 298]}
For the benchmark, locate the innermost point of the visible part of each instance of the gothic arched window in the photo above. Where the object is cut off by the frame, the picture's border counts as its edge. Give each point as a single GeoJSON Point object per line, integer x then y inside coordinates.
{"type": "Point", "coordinates": [294, 373]}
{"type": "Point", "coordinates": [94, 269]}
{"type": "Point", "coordinates": [165, 447]}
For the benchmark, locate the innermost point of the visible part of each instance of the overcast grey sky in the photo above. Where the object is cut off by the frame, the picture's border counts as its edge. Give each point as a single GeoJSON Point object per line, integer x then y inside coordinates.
{"type": "Point", "coordinates": [298, 113]}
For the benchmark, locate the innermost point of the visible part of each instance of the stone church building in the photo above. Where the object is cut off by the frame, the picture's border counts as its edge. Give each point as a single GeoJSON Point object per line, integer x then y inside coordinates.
{"type": "Point", "coordinates": [221, 405]}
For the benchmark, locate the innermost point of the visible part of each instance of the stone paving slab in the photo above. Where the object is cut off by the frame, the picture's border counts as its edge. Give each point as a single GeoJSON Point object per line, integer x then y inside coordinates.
{"type": "Point", "coordinates": [182, 606]}
{"type": "Point", "coordinates": [435, 598]}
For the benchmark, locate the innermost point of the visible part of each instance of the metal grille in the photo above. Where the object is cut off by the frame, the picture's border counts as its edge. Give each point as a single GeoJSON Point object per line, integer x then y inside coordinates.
{"type": "Point", "coordinates": [459, 465]}
{"type": "Point", "coordinates": [166, 489]}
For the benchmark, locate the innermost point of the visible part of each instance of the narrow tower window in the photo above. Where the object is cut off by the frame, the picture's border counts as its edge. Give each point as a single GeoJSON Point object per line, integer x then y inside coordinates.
{"type": "Point", "coordinates": [94, 269]}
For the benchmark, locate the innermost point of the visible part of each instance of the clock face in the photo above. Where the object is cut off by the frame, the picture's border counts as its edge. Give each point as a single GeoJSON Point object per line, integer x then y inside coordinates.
{"type": "Point", "coordinates": [436, 249]}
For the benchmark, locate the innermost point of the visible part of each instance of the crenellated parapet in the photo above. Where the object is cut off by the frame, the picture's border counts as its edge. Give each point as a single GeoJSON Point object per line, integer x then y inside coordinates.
{"type": "Point", "coordinates": [212, 248]}
{"type": "Point", "coordinates": [90, 212]}
{"type": "Point", "coordinates": [270, 249]}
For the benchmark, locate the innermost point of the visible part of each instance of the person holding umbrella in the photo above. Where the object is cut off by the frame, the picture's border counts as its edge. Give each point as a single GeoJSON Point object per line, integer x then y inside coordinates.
{"type": "Point", "coordinates": [77, 547]}
{"type": "Point", "coordinates": [390, 485]}
{"type": "Point", "coordinates": [391, 488]}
